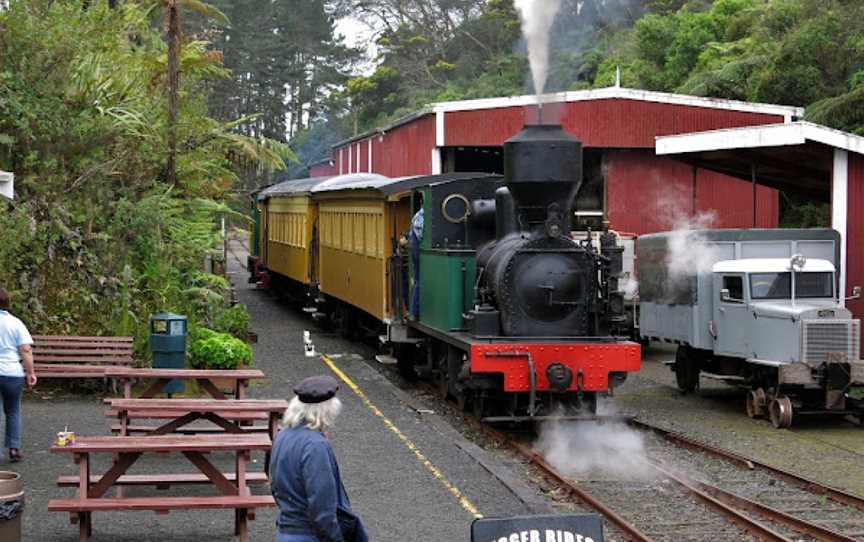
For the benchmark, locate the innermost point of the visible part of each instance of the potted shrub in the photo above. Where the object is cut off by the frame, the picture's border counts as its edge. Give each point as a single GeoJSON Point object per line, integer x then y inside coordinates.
{"type": "Point", "coordinates": [213, 350]}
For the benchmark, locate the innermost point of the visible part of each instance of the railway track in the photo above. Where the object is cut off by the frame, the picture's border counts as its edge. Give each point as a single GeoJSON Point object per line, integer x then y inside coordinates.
{"type": "Point", "coordinates": [695, 491]}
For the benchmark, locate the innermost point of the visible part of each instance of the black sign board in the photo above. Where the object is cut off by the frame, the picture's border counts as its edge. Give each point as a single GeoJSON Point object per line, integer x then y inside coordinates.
{"type": "Point", "coordinates": [560, 528]}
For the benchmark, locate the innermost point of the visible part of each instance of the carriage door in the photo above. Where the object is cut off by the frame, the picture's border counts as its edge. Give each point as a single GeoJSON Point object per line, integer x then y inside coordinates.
{"type": "Point", "coordinates": [730, 316]}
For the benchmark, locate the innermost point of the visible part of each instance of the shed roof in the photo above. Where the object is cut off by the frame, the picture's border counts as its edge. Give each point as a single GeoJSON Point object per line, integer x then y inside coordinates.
{"type": "Point", "coordinates": [622, 94]}
{"type": "Point", "coordinates": [797, 155]}
{"type": "Point", "coordinates": [7, 184]}
{"type": "Point", "coordinates": [788, 112]}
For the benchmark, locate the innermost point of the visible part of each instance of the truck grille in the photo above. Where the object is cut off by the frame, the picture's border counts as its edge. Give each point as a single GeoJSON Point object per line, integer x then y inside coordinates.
{"type": "Point", "coordinates": [823, 337]}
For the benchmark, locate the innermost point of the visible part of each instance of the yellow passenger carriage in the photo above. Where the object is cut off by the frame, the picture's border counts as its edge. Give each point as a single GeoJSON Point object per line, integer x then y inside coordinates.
{"type": "Point", "coordinates": [287, 233]}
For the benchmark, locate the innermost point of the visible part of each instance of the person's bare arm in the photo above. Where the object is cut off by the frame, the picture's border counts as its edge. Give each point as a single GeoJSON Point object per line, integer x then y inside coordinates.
{"type": "Point", "coordinates": [26, 352]}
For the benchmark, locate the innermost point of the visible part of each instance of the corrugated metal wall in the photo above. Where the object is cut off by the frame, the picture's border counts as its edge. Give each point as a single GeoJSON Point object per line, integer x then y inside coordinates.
{"type": "Point", "coordinates": [615, 123]}
{"type": "Point", "coordinates": [855, 233]}
{"type": "Point", "coordinates": [647, 193]}
{"type": "Point", "coordinates": [323, 169]}
{"type": "Point", "coordinates": [404, 150]}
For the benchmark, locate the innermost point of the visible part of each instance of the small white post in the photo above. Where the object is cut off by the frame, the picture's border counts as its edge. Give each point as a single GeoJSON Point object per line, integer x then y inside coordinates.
{"type": "Point", "coordinates": [308, 347]}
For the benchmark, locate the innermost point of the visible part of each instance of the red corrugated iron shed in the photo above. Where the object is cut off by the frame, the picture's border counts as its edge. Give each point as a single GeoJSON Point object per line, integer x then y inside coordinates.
{"type": "Point", "coordinates": [642, 190]}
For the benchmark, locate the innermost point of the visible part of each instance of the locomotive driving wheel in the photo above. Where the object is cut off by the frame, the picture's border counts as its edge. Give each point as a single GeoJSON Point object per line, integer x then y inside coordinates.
{"type": "Point", "coordinates": [780, 411]}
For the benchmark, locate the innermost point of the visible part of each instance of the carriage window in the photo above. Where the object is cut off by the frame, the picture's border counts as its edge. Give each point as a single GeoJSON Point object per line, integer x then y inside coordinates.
{"type": "Point", "coordinates": [735, 285]}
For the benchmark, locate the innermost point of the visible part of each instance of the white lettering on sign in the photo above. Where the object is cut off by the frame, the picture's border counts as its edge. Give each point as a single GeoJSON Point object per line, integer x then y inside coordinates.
{"type": "Point", "coordinates": [548, 536]}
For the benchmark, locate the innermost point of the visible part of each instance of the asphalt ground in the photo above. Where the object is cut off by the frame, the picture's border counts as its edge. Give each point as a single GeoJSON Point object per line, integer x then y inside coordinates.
{"type": "Point", "coordinates": [405, 472]}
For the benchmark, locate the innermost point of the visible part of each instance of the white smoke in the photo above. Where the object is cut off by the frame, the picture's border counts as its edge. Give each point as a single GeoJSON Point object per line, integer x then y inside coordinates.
{"type": "Point", "coordinates": [629, 286]}
{"type": "Point", "coordinates": [576, 449]}
{"type": "Point", "coordinates": [537, 17]}
{"type": "Point", "coordinates": [688, 253]}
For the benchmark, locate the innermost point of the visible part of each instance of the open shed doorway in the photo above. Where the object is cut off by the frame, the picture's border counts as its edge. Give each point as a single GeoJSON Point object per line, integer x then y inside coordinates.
{"type": "Point", "coordinates": [473, 160]}
{"type": "Point", "coordinates": [590, 203]}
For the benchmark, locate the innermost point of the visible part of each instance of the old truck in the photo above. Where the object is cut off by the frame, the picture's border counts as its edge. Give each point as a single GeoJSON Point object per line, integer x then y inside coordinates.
{"type": "Point", "coordinates": [756, 308]}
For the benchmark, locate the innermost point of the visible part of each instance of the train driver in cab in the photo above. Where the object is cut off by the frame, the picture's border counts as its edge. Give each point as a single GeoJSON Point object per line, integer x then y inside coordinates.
{"type": "Point", "coordinates": [416, 237]}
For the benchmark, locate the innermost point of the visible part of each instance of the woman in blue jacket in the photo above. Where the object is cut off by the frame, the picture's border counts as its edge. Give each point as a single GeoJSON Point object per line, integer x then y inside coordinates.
{"type": "Point", "coordinates": [305, 480]}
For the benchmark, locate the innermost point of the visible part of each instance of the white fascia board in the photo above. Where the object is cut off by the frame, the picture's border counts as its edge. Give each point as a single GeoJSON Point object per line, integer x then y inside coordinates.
{"type": "Point", "coordinates": [7, 184]}
{"type": "Point", "coordinates": [832, 137]}
{"type": "Point", "coordinates": [771, 135]}
{"type": "Point", "coordinates": [439, 128]}
{"type": "Point", "coordinates": [787, 112]}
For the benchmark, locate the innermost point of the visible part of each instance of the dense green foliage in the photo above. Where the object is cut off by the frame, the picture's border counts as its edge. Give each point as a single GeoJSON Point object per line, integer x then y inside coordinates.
{"type": "Point", "coordinates": [212, 350]}
{"type": "Point", "coordinates": [796, 52]}
{"type": "Point", "coordinates": [97, 238]}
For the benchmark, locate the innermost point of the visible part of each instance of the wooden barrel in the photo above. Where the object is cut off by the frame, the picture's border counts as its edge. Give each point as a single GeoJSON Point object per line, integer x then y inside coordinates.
{"type": "Point", "coordinates": [11, 506]}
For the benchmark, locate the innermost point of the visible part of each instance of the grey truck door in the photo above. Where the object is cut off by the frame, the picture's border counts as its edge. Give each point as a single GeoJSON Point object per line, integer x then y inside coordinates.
{"type": "Point", "coordinates": [730, 316]}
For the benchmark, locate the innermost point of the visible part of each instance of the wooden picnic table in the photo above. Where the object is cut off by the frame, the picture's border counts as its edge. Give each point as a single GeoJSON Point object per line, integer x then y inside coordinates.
{"type": "Point", "coordinates": [229, 415]}
{"type": "Point", "coordinates": [205, 378]}
{"type": "Point", "coordinates": [233, 489]}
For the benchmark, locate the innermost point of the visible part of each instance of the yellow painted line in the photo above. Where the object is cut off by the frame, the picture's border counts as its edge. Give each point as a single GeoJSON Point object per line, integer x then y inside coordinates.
{"type": "Point", "coordinates": [463, 500]}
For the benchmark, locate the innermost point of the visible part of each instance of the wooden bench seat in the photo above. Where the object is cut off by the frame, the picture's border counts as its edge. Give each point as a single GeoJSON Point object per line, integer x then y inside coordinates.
{"type": "Point", "coordinates": [186, 430]}
{"type": "Point", "coordinates": [244, 508]}
{"type": "Point", "coordinates": [163, 480]}
{"type": "Point", "coordinates": [58, 356]}
{"type": "Point", "coordinates": [161, 504]}
{"type": "Point", "coordinates": [171, 414]}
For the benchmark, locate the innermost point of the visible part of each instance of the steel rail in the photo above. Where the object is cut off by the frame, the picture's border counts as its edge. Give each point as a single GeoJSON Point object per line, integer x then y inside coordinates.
{"type": "Point", "coordinates": [774, 515]}
{"type": "Point", "coordinates": [747, 523]}
{"type": "Point", "coordinates": [628, 528]}
{"type": "Point", "coordinates": [807, 484]}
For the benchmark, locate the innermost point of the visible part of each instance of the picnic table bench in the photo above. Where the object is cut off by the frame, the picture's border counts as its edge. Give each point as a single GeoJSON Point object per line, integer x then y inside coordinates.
{"type": "Point", "coordinates": [62, 356]}
{"type": "Point", "coordinates": [205, 378]}
{"type": "Point", "coordinates": [233, 488]}
{"type": "Point", "coordinates": [227, 415]}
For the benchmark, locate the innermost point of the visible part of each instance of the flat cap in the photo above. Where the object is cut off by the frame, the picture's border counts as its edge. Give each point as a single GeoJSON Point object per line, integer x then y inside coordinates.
{"type": "Point", "coordinates": [316, 389]}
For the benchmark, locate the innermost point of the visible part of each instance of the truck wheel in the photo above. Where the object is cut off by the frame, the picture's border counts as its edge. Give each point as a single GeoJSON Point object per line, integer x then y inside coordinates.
{"type": "Point", "coordinates": [686, 369]}
{"type": "Point", "coordinates": [780, 410]}
{"type": "Point", "coordinates": [756, 403]}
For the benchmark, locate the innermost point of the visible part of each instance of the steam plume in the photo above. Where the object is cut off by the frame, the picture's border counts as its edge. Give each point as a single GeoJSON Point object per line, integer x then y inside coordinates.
{"type": "Point", "coordinates": [537, 17]}
{"type": "Point", "coordinates": [577, 449]}
{"type": "Point", "coordinates": [688, 253]}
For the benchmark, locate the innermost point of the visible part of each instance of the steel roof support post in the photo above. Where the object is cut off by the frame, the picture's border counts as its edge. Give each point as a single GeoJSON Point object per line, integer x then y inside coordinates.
{"type": "Point", "coordinates": [753, 182]}
{"type": "Point", "coordinates": [839, 211]}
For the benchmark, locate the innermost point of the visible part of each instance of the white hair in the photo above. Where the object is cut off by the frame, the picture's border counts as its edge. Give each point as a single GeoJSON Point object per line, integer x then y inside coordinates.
{"type": "Point", "coordinates": [316, 416]}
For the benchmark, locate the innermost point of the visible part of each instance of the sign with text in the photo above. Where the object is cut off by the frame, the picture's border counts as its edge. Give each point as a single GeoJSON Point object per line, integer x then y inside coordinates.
{"type": "Point", "coordinates": [557, 528]}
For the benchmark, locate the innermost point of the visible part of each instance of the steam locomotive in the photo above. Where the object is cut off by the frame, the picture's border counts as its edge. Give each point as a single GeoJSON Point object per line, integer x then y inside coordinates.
{"type": "Point", "coordinates": [519, 318]}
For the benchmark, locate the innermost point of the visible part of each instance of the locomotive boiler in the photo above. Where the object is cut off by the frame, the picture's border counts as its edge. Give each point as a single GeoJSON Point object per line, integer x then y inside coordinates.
{"type": "Point", "coordinates": [535, 279]}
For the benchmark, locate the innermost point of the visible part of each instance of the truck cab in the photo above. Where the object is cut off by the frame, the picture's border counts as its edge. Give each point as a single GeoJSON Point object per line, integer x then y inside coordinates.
{"type": "Point", "coordinates": [763, 309]}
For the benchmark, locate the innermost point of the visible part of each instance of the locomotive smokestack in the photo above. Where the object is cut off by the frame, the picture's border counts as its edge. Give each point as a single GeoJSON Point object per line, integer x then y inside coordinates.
{"type": "Point", "coordinates": [543, 169]}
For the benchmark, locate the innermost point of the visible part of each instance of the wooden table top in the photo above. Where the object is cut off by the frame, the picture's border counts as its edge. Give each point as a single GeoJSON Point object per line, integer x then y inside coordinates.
{"type": "Point", "coordinates": [200, 405]}
{"type": "Point", "coordinates": [129, 372]}
{"type": "Point", "coordinates": [168, 443]}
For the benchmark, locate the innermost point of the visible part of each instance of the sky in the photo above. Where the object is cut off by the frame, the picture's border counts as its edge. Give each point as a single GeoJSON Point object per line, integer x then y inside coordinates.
{"type": "Point", "coordinates": [358, 34]}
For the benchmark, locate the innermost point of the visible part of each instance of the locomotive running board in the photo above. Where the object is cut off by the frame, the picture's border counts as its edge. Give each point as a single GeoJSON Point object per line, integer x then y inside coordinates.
{"type": "Point", "coordinates": [579, 418]}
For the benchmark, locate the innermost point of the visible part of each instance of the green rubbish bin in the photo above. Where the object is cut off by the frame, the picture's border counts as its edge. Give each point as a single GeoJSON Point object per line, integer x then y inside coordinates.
{"type": "Point", "coordinates": [11, 506]}
{"type": "Point", "coordinates": [168, 344]}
